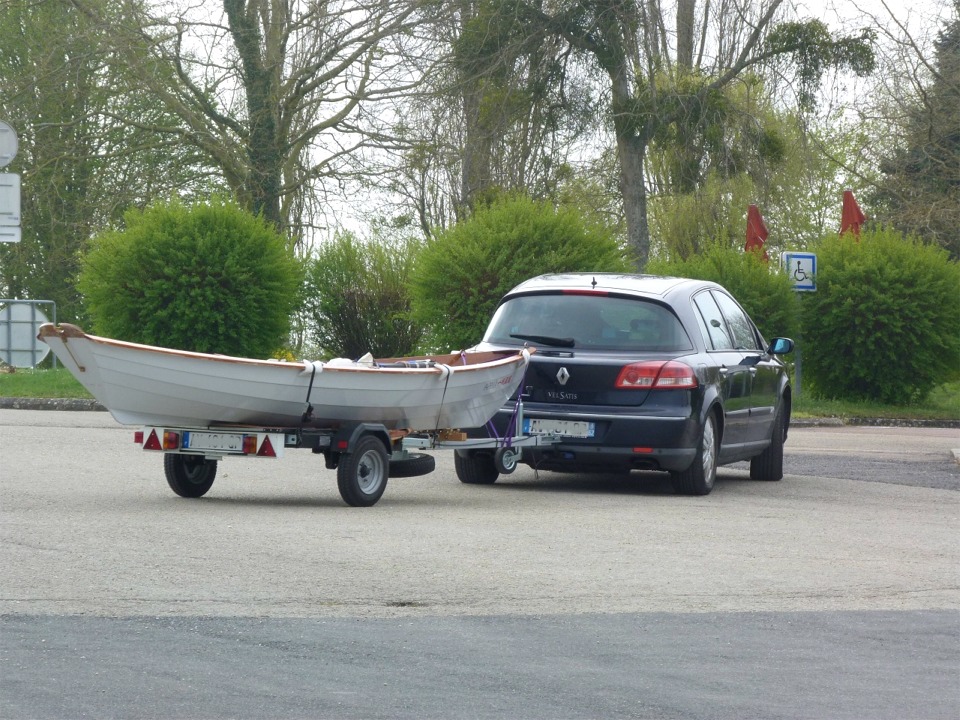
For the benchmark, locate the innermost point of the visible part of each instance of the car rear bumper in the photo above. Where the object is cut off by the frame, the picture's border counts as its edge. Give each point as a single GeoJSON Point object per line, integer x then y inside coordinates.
{"type": "Point", "coordinates": [621, 441]}
{"type": "Point", "coordinates": [573, 458]}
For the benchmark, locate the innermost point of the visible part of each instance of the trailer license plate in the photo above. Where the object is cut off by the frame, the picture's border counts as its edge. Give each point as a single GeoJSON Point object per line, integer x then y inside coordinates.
{"type": "Point", "coordinates": [227, 442]}
{"type": "Point", "coordinates": [564, 428]}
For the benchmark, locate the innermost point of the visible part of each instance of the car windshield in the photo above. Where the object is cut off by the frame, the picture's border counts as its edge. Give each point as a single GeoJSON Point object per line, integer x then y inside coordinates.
{"type": "Point", "coordinates": [595, 321]}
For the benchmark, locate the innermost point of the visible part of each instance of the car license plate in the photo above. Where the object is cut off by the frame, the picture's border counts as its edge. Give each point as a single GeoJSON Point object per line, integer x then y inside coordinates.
{"type": "Point", "coordinates": [564, 428]}
{"type": "Point", "coordinates": [229, 442]}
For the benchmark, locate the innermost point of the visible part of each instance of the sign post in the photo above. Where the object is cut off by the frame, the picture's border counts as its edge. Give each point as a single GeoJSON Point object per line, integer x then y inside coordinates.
{"type": "Point", "coordinates": [802, 268]}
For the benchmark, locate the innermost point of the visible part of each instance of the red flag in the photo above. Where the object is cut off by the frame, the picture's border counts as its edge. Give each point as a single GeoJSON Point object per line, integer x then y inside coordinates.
{"type": "Point", "coordinates": [852, 217]}
{"type": "Point", "coordinates": [756, 232]}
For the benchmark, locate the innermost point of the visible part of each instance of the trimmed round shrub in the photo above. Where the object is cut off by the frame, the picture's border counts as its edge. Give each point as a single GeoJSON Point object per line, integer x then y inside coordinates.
{"type": "Point", "coordinates": [357, 298]}
{"type": "Point", "coordinates": [884, 322]}
{"type": "Point", "coordinates": [210, 278]}
{"type": "Point", "coordinates": [462, 273]}
{"type": "Point", "coordinates": [768, 297]}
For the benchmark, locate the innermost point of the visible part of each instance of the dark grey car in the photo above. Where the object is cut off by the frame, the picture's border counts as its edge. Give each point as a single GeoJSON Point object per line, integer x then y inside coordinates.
{"type": "Point", "coordinates": [638, 372]}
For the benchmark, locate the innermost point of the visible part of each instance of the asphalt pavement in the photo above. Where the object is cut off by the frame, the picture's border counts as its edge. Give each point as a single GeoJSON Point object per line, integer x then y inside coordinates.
{"type": "Point", "coordinates": [831, 594]}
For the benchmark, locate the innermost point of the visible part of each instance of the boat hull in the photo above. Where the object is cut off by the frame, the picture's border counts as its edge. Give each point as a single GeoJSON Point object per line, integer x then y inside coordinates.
{"type": "Point", "coordinates": [148, 385]}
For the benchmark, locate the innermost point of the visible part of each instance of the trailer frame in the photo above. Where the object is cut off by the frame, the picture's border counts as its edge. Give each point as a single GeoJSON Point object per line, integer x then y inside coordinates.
{"type": "Point", "coordinates": [365, 454]}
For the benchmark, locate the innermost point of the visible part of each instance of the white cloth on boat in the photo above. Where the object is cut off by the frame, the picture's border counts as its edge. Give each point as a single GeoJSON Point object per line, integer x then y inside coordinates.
{"type": "Point", "coordinates": [313, 366]}
{"type": "Point", "coordinates": [366, 361]}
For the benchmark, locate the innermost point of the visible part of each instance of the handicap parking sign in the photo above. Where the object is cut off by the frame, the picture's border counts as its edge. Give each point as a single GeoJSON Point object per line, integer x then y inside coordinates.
{"type": "Point", "coordinates": [802, 268]}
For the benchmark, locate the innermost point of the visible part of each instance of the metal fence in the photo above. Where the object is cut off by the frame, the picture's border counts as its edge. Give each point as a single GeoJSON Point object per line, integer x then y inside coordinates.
{"type": "Point", "coordinates": [19, 322]}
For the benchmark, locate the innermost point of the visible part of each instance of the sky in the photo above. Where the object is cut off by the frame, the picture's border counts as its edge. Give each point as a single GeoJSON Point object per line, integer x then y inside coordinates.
{"type": "Point", "coordinates": [914, 14]}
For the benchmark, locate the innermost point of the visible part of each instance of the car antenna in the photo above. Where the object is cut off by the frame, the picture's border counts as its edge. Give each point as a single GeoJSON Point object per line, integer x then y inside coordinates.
{"type": "Point", "coordinates": [594, 283]}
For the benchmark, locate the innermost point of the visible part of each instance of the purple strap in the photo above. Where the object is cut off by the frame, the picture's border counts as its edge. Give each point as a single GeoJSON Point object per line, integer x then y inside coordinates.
{"type": "Point", "coordinates": [507, 439]}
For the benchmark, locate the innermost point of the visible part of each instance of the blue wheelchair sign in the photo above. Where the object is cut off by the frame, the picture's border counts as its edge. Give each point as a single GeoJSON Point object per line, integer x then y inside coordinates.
{"type": "Point", "coordinates": [802, 268]}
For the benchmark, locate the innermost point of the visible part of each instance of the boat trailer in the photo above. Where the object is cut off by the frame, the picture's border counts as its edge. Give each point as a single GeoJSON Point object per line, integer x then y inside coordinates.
{"type": "Point", "coordinates": [365, 455]}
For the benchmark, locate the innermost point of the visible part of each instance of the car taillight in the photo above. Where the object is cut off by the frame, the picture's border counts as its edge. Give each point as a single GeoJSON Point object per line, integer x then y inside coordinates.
{"type": "Point", "coordinates": [656, 375]}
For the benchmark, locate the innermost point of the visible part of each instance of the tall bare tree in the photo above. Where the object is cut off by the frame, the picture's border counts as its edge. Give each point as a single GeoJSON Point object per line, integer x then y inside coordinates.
{"type": "Point", "coordinates": [917, 108]}
{"type": "Point", "coordinates": [272, 92]}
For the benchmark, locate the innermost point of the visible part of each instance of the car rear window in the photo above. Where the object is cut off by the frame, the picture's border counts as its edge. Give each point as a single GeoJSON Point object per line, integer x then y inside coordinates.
{"type": "Point", "coordinates": [595, 321]}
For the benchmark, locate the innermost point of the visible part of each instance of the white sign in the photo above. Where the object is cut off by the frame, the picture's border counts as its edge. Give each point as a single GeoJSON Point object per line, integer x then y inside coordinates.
{"type": "Point", "coordinates": [9, 199]}
{"type": "Point", "coordinates": [8, 144]}
{"type": "Point", "coordinates": [19, 323]}
{"type": "Point", "coordinates": [9, 234]}
{"type": "Point", "coordinates": [802, 268]}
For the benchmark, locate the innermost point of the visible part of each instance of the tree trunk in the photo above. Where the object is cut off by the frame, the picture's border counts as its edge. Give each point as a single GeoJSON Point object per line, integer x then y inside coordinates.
{"type": "Point", "coordinates": [685, 22]}
{"type": "Point", "coordinates": [632, 150]}
{"type": "Point", "coordinates": [476, 172]}
{"type": "Point", "coordinates": [264, 174]}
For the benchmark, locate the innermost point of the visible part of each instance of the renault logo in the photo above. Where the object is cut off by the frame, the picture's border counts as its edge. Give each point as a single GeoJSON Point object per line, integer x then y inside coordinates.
{"type": "Point", "coordinates": [563, 376]}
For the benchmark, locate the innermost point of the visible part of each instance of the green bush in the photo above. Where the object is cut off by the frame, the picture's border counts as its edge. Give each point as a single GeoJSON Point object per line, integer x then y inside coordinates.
{"type": "Point", "coordinates": [768, 297]}
{"type": "Point", "coordinates": [358, 300]}
{"type": "Point", "coordinates": [884, 322]}
{"type": "Point", "coordinates": [463, 272]}
{"type": "Point", "coordinates": [210, 278]}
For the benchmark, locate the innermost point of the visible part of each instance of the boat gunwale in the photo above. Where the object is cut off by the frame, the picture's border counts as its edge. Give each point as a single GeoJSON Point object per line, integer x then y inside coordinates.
{"type": "Point", "coordinates": [67, 331]}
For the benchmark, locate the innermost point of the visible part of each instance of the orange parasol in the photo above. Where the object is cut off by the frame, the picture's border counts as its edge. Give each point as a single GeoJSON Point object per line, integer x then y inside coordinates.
{"type": "Point", "coordinates": [756, 232]}
{"type": "Point", "coordinates": [852, 217]}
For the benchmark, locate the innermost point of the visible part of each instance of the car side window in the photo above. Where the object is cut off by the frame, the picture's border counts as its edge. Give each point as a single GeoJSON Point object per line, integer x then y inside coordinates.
{"type": "Point", "coordinates": [744, 336]}
{"type": "Point", "coordinates": [712, 325]}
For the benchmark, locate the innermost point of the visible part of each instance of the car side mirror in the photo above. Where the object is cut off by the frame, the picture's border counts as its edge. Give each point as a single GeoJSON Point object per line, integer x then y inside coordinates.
{"type": "Point", "coordinates": [780, 346]}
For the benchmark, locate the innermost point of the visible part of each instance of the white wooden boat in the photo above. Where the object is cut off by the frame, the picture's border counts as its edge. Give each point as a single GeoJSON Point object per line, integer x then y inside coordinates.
{"type": "Point", "coordinates": [148, 385]}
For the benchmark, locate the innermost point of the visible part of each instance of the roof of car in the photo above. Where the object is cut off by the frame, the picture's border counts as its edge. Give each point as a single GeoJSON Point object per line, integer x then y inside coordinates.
{"type": "Point", "coordinates": [610, 282]}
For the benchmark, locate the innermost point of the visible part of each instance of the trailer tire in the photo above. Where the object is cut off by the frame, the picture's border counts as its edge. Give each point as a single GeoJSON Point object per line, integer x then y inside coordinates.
{"type": "Point", "coordinates": [362, 473]}
{"type": "Point", "coordinates": [413, 465]}
{"type": "Point", "coordinates": [189, 476]}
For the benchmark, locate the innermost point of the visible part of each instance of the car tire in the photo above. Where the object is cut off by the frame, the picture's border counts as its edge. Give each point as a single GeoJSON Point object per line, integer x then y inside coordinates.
{"type": "Point", "coordinates": [474, 468]}
{"type": "Point", "coordinates": [768, 465]}
{"type": "Point", "coordinates": [698, 479]}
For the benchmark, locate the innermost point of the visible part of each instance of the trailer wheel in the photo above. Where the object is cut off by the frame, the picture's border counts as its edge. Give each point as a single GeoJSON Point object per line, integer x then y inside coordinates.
{"type": "Point", "coordinates": [362, 473]}
{"type": "Point", "coordinates": [413, 465]}
{"type": "Point", "coordinates": [506, 459]}
{"type": "Point", "coordinates": [189, 476]}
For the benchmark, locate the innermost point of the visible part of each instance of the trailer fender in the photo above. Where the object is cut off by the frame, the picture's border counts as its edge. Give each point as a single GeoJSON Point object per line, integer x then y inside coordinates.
{"type": "Point", "coordinates": [346, 438]}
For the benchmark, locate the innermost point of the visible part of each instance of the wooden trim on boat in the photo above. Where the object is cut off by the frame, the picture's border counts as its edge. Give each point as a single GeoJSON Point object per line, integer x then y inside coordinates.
{"type": "Point", "coordinates": [454, 361]}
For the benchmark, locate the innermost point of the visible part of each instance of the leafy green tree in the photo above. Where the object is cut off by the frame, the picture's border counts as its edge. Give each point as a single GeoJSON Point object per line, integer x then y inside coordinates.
{"type": "Point", "coordinates": [518, 104]}
{"type": "Point", "coordinates": [884, 323]}
{"type": "Point", "coordinates": [499, 110]}
{"type": "Point", "coordinates": [799, 193]}
{"type": "Point", "coordinates": [657, 88]}
{"type": "Point", "coordinates": [462, 273]}
{"type": "Point", "coordinates": [81, 168]}
{"type": "Point", "coordinates": [357, 298]}
{"type": "Point", "coordinates": [768, 297]}
{"type": "Point", "coordinates": [211, 278]}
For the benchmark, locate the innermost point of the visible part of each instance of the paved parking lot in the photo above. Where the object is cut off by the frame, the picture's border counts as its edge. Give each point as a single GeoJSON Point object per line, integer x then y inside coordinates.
{"type": "Point", "coordinates": [542, 594]}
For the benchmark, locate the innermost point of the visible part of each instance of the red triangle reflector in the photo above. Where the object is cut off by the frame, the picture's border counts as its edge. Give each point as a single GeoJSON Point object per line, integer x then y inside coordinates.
{"type": "Point", "coordinates": [153, 442]}
{"type": "Point", "coordinates": [266, 449]}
